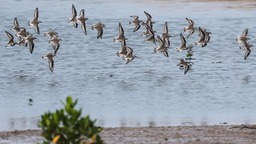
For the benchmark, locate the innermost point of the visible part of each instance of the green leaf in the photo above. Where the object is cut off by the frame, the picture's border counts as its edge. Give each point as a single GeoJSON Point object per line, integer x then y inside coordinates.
{"type": "Point", "coordinates": [47, 122]}
{"type": "Point", "coordinates": [69, 100]}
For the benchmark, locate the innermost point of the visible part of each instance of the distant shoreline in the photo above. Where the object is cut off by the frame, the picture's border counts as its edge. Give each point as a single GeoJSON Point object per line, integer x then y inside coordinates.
{"type": "Point", "coordinates": [220, 134]}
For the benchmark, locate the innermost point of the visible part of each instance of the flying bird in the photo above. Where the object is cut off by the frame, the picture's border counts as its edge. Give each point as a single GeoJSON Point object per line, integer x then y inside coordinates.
{"type": "Point", "coordinates": [190, 27]}
{"type": "Point", "coordinates": [35, 22]}
{"type": "Point", "coordinates": [81, 20]}
{"type": "Point", "coordinates": [99, 27]}
{"type": "Point", "coordinates": [49, 58]}
{"type": "Point", "coordinates": [120, 37]}
{"type": "Point", "coordinates": [185, 65]}
{"type": "Point", "coordinates": [11, 41]}
{"type": "Point", "coordinates": [73, 19]}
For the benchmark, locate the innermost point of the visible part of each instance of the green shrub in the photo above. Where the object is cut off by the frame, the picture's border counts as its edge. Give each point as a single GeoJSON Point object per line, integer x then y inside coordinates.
{"type": "Point", "coordinates": [66, 126]}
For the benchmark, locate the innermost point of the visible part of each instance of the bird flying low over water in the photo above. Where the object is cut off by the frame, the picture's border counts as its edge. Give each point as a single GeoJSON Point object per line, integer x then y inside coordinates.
{"type": "Point", "coordinates": [244, 44]}
{"type": "Point", "coordinates": [185, 65]}
{"type": "Point", "coordinates": [183, 45]}
{"type": "Point", "coordinates": [129, 56]}
{"type": "Point", "coordinates": [151, 35]}
{"type": "Point", "coordinates": [120, 37]}
{"type": "Point", "coordinates": [207, 35]}
{"type": "Point", "coordinates": [162, 47]}
{"type": "Point", "coordinates": [73, 19]}
{"type": "Point", "coordinates": [166, 36]}
{"type": "Point", "coordinates": [29, 41]}
{"type": "Point", "coordinates": [11, 41]}
{"type": "Point", "coordinates": [81, 19]}
{"type": "Point", "coordinates": [21, 34]}
{"type": "Point", "coordinates": [49, 58]}
{"type": "Point", "coordinates": [148, 25]}
{"type": "Point", "coordinates": [16, 26]}
{"type": "Point", "coordinates": [54, 41]}
{"type": "Point", "coordinates": [126, 53]}
{"type": "Point", "coordinates": [136, 23]}
{"type": "Point", "coordinates": [99, 27]}
{"type": "Point", "coordinates": [243, 38]}
{"type": "Point", "coordinates": [149, 21]}
{"type": "Point", "coordinates": [123, 52]}
{"type": "Point", "coordinates": [202, 40]}
{"type": "Point", "coordinates": [50, 33]}
{"type": "Point", "coordinates": [190, 27]}
{"type": "Point", "coordinates": [35, 22]}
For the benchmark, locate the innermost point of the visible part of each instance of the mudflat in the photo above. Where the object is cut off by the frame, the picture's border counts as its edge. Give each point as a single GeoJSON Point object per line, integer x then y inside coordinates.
{"type": "Point", "coordinates": [215, 134]}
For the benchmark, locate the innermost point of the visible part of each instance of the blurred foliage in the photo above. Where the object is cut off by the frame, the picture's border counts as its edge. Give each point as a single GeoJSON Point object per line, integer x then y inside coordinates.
{"type": "Point", "coordinates": [189, 51]}
{"type": "Point", "coordinates": [66, 126]}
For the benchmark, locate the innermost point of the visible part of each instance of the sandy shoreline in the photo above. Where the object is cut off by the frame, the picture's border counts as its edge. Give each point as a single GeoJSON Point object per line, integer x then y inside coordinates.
{"type": "Point", "coordinates": [221, 134]}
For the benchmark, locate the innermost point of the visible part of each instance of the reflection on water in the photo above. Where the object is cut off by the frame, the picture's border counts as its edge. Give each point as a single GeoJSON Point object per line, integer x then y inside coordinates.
{"type": "Point", "coordinates": [23, 123]}
{"type": "Point", "coordinates": [149, 91]}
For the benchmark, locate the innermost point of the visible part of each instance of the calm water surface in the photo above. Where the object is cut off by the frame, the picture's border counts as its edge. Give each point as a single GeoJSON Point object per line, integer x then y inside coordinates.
{"type": "Point", "coordinates": [151, 90]}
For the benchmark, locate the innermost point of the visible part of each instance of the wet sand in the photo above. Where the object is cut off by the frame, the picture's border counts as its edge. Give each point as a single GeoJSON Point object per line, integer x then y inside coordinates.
{"type": "Point", "coordinates": [217, 134]}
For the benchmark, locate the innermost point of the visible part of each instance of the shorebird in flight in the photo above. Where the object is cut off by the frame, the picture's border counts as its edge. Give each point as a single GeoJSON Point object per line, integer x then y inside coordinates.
{"type": "Point", "coordinates": [73, 19]}
{"type": "Point", "coordinates": [207, 35]}
{"type": "Point", "coordinates": [35, 22]}
{"type": "Point", "coordinates": [99, 27]}
{"type": "Point", "coordinates": [129, 57]}
{"type": "Point", "coordinates": [185, 65]}
{"type": "Point", "coordinates": [242, 39]}
{"type": "Point", "coordinates": [29, 41]}
{"type": "Point", "coordinates": [151, 36]}
{"type": "Point", "coordinates": [54, 41]}
{"type": "Point", "coordinates": [136, 23]}
{"type": "Point", "coordinates": [50, 33]}
{"type": "Point", "coordinates": [202, 40]}
{"type": "Point", "coordinates": [162, 47]}
{"type": "Point", "coordinates": [16, 26]}
{"type": "Point", "coordinates": [11, 41]}
{"type": "Point", "coordinates": [183, 45]}
{"type": "Point", "coordinates": [190, 27]}
{"type": "Point", "coordinates": [123, 52]}
{"type": "Point", "coordinates": [49, 58]}
{"type": "Point", "coordinates": [120, 38]}
{"type": "Point", "coordinates": [22, 33]}
{"type": "Point", "coordinates": [165, 35]}
{"type": "Point", "coordinates": [81, 20]}
{"type": "Point", "coordinates": [148, 25]}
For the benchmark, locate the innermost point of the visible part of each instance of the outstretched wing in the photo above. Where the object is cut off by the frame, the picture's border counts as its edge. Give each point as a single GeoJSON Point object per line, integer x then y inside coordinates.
{"type": "Point", "coordinates": [36, 13]}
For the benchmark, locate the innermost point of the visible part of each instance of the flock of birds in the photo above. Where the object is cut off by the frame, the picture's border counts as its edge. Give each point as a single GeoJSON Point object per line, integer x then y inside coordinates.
{"type": "Point", "coordinates": [162, 42]}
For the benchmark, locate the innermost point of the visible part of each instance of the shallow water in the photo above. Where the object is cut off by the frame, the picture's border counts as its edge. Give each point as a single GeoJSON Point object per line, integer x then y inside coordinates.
{"type": "Point", "coordinates": [151, 90]}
